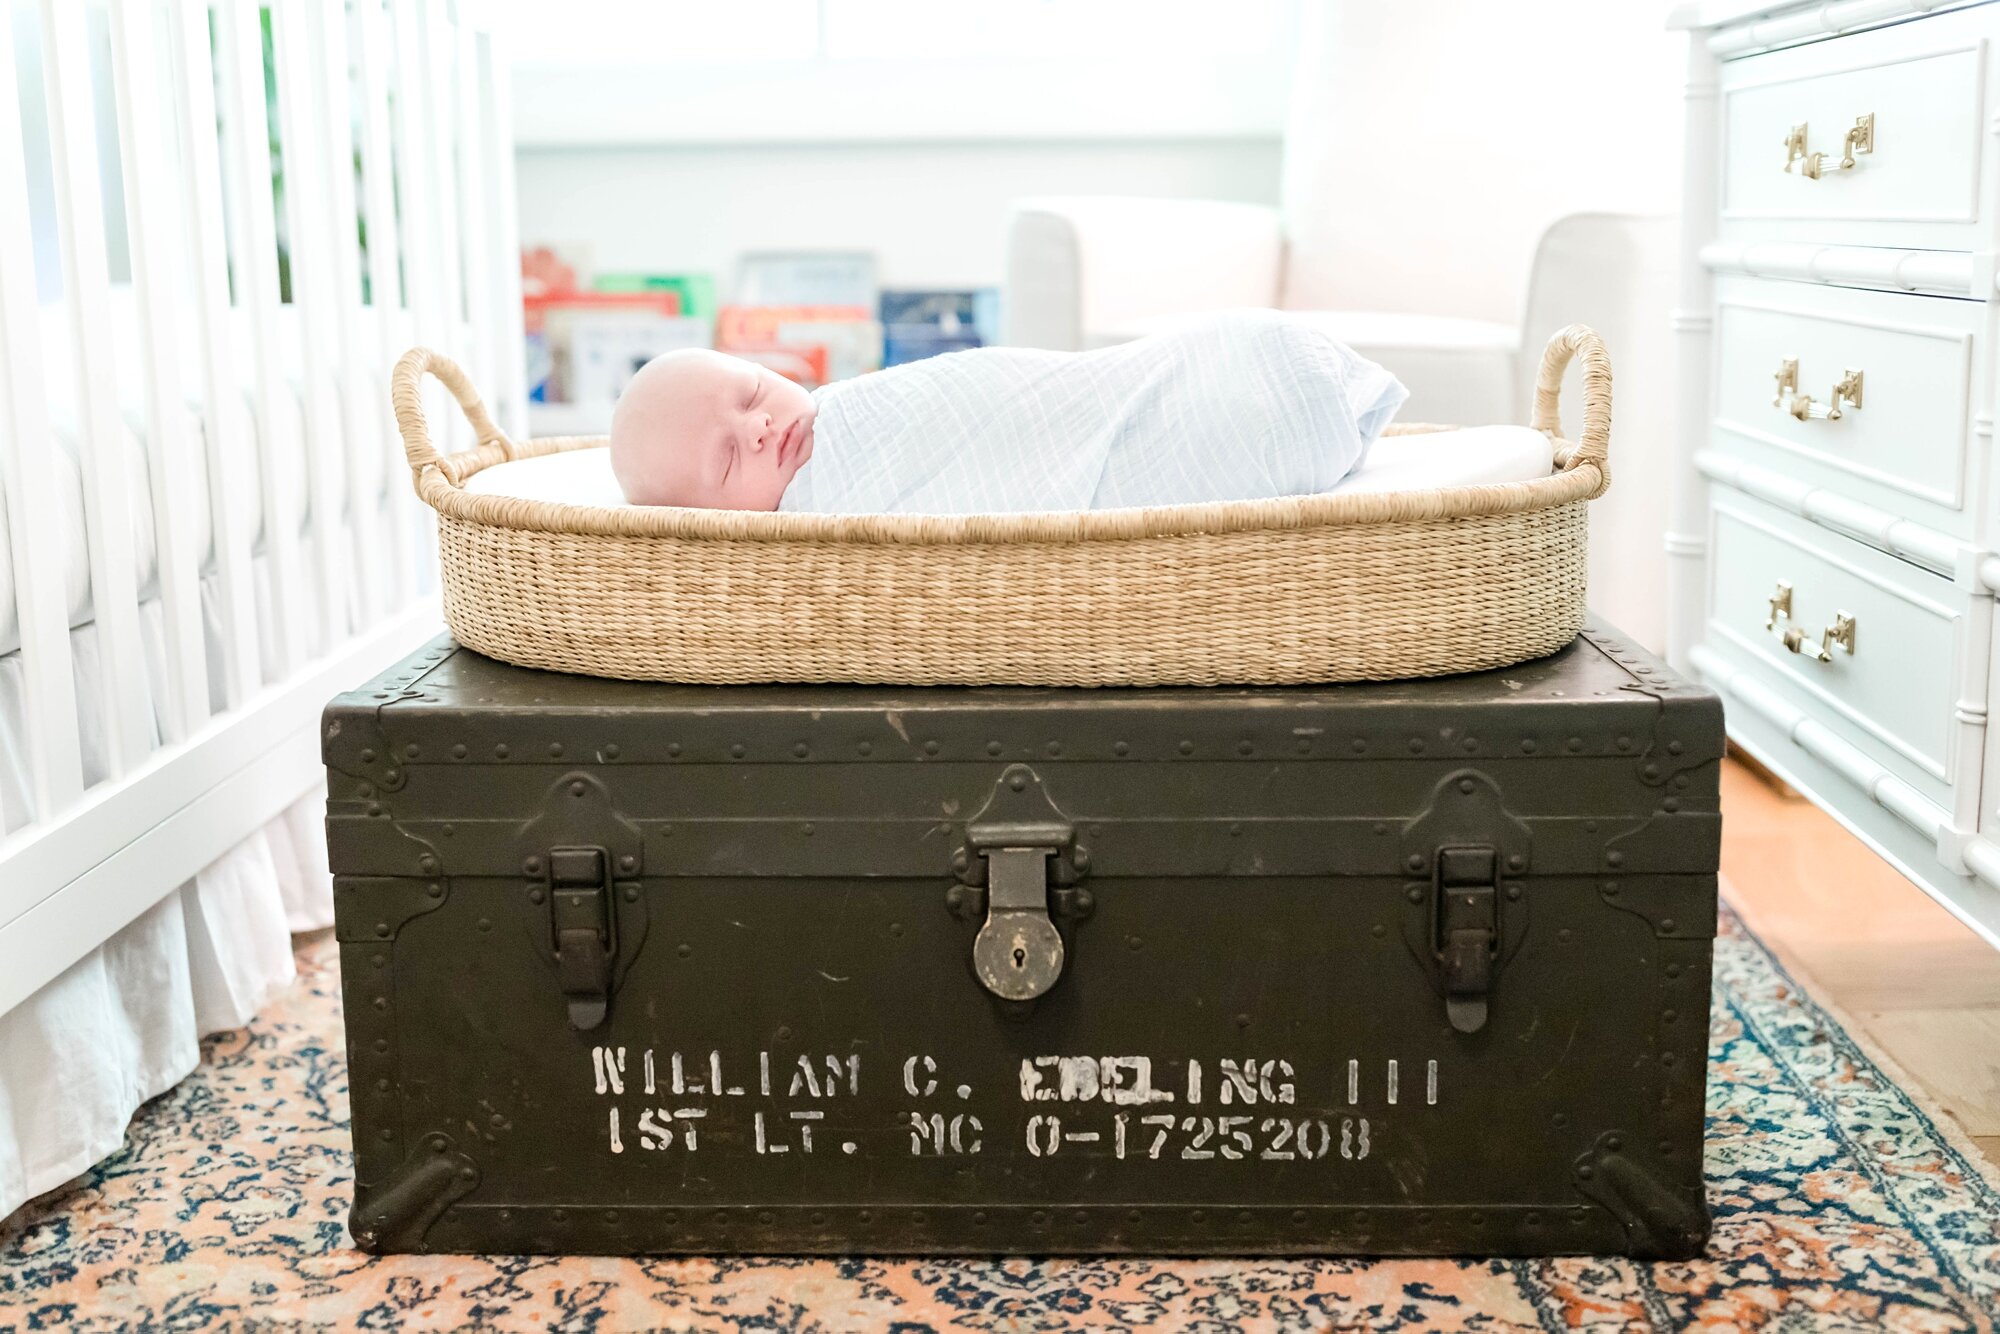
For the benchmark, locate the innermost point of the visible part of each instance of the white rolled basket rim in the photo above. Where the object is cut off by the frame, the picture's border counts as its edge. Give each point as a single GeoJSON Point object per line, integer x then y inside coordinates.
{"type": "Point", "coordinates": [1583, 474]}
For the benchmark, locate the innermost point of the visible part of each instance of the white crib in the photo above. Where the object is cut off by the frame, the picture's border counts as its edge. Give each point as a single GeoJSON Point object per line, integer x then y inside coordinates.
{"type": "Point", "coordinates": [209, 260]}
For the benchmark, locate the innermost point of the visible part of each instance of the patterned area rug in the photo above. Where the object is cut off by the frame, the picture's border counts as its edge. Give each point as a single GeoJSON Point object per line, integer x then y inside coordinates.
{"type": "Point", "coordinates": [1840, 1204]}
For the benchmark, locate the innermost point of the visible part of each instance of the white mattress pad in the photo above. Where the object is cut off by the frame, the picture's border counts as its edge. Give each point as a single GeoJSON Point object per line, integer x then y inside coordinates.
{"type": "Point", "coordinates": [1469, 456]}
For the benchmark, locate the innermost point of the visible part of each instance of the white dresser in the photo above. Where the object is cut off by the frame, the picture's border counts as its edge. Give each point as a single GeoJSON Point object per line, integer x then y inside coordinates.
{"type": "Point", "coordinates": [1834, 543]}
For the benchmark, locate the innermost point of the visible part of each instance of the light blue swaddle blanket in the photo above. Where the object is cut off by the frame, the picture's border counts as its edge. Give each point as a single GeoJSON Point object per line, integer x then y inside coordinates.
{"type": "Point", "coordinates": [1241, 406]}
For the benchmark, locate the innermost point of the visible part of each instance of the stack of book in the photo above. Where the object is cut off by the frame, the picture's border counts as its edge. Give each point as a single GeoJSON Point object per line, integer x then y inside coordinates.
{"type": "Point", "coordinates": [807, 315]}
{"type": "Point", "coordinates": [919, 324]}
{"type": "Point", "coordinates": [585, 340]}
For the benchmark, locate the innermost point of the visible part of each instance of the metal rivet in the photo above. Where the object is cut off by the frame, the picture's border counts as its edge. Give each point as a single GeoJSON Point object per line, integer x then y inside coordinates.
{"type": "Point", "coordinates": [801, 750]}
{"type": "Point", "coordinates": [631, 893]}
{"type": "Point", "coordinates": [931, 748]}
{"type": "Point", "coordinates": [1563, 934]}
{"type": "Point", "coordinates": [1039, 1219]}
{"type": "Point", "coordinates": [1080, 858]}
{"type": "Point", "coordinates": [1235, 830]}
{"type": "Point", "coordinates": [374, 808]}
{"type": "Point", "coordinates": [1187, 747]}
{"type": "Point", "coordinates": [611, 751]}
{"type": "Point", "coordinates": [866, 1216]}
{"type": "Point", "coordinates": [1197, 1216]}
{"type": "Point", "coordinates": [381, 1002]}
{"type": "Point", "coordinates": [993, 748]}
{"type": "Point", "coordinates": [1133, 942]}
{"type": "Point", "coordinates": [627, 862]}
{"type": "Point", "coordinates": [576, 788]}
{"type": "Point", "coordinates": [436, 891]}
{"type": "Point", "coordinates": [1614, 1143]}
{"type": "Point", "coordinates": [1471, 743]}
{"type": "Point", "coordinates": [1378, 930]}
{"type": "Point", "coordinates": [1381, 828]}
{"type": "Point", "coordinates": [1415, 861]}
{"type": "Point", "coordinates": [500, 752]}
{"type": "Point", "coordinates": [1574, 743]}
{"type": "Point", "coordinates": [766, 1217]}
{"type": "Point", "coordinates": [485, 924]}
{"type": "Point", "coordinates": [1666, 924]}
{"type": "Point", "coordinates": [381, 1046]}
{"type": "Point", "coordinates": [1667, 1058]}
{"type": "Point", "coordinates": [895, 928]}
{"type": "Point", "coordinates": [387, 1133]}
{"type": "Point", "coordinates": [427, 862]}
{"type": "Point", "coordinates": [458, 751]}
{"type": "Point", "coordinates": [438, 1144]}
{"type": "Point", "coordinates": [685, 950]}
{"type": "Point", "coordinates": [1513, 891]}
{"type": "Point", "coordinates": [1414, 895]}
{"type": "Point", "coordinates": [1586, 1171]}
{"type": "Point", "coordinates": [389, 775]}
{"type": "Point", "coordinates": [382, 1086]}
{"type": "Point", "coordinates": [1121, 748]}
{"type": "Point", "coordinates": [864, 749]}
{"type": "Point", "coordinates": [561, 1215]}
{"type": "Point", "coordinates": [1081, 1216]}
{"type": "Point", "coordinates": [1675, 748]}
{"type": "Point", "coordinates": [1243, 1021]}
{"type": "Point", "coordinates": [379, 959]}
{"type": "Point", "coordinates": [1527, 745]}
{"type": "Point", "coordinates": [1516, 862]}
{"type": "Point", "coordinates": [673, 748]}
{"type": "Point", "coordinates": [535, 895]}
{"type": "Point", "coordinates": [410, 751]}
{"type": "Point", "coordinates": [1614, 858]}
{"type": "Point", "coordinates": [806, 829]}
{"type": "Point", "coordinates": [1244, 748]}
{"type": "Point", "coordinates": [532, 865]}
{"type": "Point", "coordinates": [1668, 1016]}
{"type": "Point", "coordinates": [1017, 781]}
{"type": "Point", "coordinates": [1651, 771]}
{"type": "Point", "coordinates": [1055, 747]}
{"type": "Point", "coordinates": [1670, 805]}
{"type": "Point", "coordinates": [978, 1215]}
{"type": "Point", "coordinates": [1673, 970]}
{"type": "Point", "coordinates": [555, 748]}
{"type": "Point", "coordinates": [1357, 745]}
{"type": "Point", "coordinates": [1416, 744]}
{"type": "Point", "coordinates": [1559, 1120]}
{"type": "Point", "coordinates": [367, 755]}
{"type": "Point", "coordinates": [381, 928]}
{"type": "Point", "coordinates": [1611, 887]}
{"type": "Point", "coordinates": [1533, 1220]}
{"type": "Point", "coordinates": [737, 750]}
{"type": "Point", "coordinates": [1466, 785]}
{"type": "Point", "coordinates": [1680, 782]}
{"type": "Point", "coordinates": [1624, 743]}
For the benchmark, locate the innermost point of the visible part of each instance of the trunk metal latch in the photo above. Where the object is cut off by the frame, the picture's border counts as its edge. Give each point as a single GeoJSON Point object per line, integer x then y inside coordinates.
{"type": "Point", "coordinates": [1467, 938]}
{"type": "Point", "coordinates": [584, 928]}
{"type": "Point", "coordinates": [1022, 849]}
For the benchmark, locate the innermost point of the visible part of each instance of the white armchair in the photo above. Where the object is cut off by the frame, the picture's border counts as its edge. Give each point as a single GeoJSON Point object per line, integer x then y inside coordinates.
{"type": "Point", "coordinates": [1088, 271]}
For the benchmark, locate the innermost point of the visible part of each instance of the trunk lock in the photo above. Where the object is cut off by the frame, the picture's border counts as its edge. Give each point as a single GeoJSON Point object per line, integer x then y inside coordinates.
{"type": "Point", "coordinates": [1467, 939]}
{"type": "Point", "coordinates": [1022, 849]}
{"type": "Point", "coordinates": [584, 929]}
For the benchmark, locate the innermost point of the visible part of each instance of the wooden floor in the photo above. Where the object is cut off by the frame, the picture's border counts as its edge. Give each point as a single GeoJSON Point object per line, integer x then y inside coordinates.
{"type": "Point", "coordinates": [1915, 980]}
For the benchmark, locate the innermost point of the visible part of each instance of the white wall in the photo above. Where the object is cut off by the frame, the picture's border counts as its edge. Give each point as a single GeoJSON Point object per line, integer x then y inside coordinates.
{"type": "Point", "coordinates": [935, 214]}
{"type": "Point", "coordinates": [1432, 140]}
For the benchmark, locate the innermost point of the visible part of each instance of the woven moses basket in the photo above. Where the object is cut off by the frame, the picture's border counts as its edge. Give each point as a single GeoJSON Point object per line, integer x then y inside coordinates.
{"type": "Point", "coordinates": [1298, 589]}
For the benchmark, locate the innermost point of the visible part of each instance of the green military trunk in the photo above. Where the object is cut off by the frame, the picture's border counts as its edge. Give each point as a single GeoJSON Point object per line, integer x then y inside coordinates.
{"type": "Point", "coordinates": [1414, 967]}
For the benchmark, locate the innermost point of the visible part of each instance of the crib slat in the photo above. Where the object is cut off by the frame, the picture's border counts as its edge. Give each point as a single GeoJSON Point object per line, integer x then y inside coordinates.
{"type": "Point", "coordinates": [247, 132]}
{"type": "Point", "coordinates": [495, 116]}
{"type": "Point", "coordinates": [107, 488]}
{"type": "Point", "coordinates": [28, 484]}
{"type": "Point", "coordinates": [416, 190]}
{"type": "Point", "coordinates": [229, 509]}
{"type": "Point", "coordinates": [302, 116]}
{"type": "Point", "coordinates": [156, 265]}
{"type": "Point", "coordinates": [438, 53]}
{"type": "Point", "coordinates": [472, 211]}
{"type": "Point", "coordinates": [360, 407]}
{"type": "Point", "coordinates": [388, 317]}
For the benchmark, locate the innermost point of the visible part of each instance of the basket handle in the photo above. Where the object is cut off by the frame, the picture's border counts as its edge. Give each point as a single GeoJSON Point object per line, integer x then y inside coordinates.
{"type": "Point", "coordinates": [405, 387]}
{"type": "Point", "coordinates": [1593, 445]}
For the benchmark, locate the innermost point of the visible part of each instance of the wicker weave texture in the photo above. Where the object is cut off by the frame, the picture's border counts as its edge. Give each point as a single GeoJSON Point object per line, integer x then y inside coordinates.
{"type": "Point", "coordinates": [1295, 590]}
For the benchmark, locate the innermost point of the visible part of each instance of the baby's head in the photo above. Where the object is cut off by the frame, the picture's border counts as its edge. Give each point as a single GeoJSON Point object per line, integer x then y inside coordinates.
{"type": "Point", "coordinates": [708, 430]}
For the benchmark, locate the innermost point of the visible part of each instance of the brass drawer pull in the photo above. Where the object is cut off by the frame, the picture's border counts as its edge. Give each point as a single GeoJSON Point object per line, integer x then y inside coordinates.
{"type": "Point", "coordinates": [1860, 139]}
{"type": "Point", "coordinates": [1841, 632]}
{"type": "Point", "coordinates": [1846, 389]}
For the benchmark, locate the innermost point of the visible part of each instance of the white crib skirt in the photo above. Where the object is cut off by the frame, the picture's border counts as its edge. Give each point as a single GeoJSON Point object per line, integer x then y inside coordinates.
{"type": "Point", "coordinates": [124, 1023]}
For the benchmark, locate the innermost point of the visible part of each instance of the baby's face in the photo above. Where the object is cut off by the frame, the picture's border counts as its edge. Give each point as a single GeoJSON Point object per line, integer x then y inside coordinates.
{"type": "Point", "coordinates": [711, 431]}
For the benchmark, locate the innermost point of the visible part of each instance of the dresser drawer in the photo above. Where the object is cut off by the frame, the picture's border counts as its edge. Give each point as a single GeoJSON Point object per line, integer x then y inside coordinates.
{"type": "Point", "coordinates": [1904, 447]}
{"type": "Point", "coordinates": [1917, 182]}
{"type": "Point", "coordinates": [1889, 687]}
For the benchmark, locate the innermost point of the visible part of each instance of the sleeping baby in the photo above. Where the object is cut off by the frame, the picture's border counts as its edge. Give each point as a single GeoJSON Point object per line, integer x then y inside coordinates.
{"type": "Point", "coordinates": [1240, 406]}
